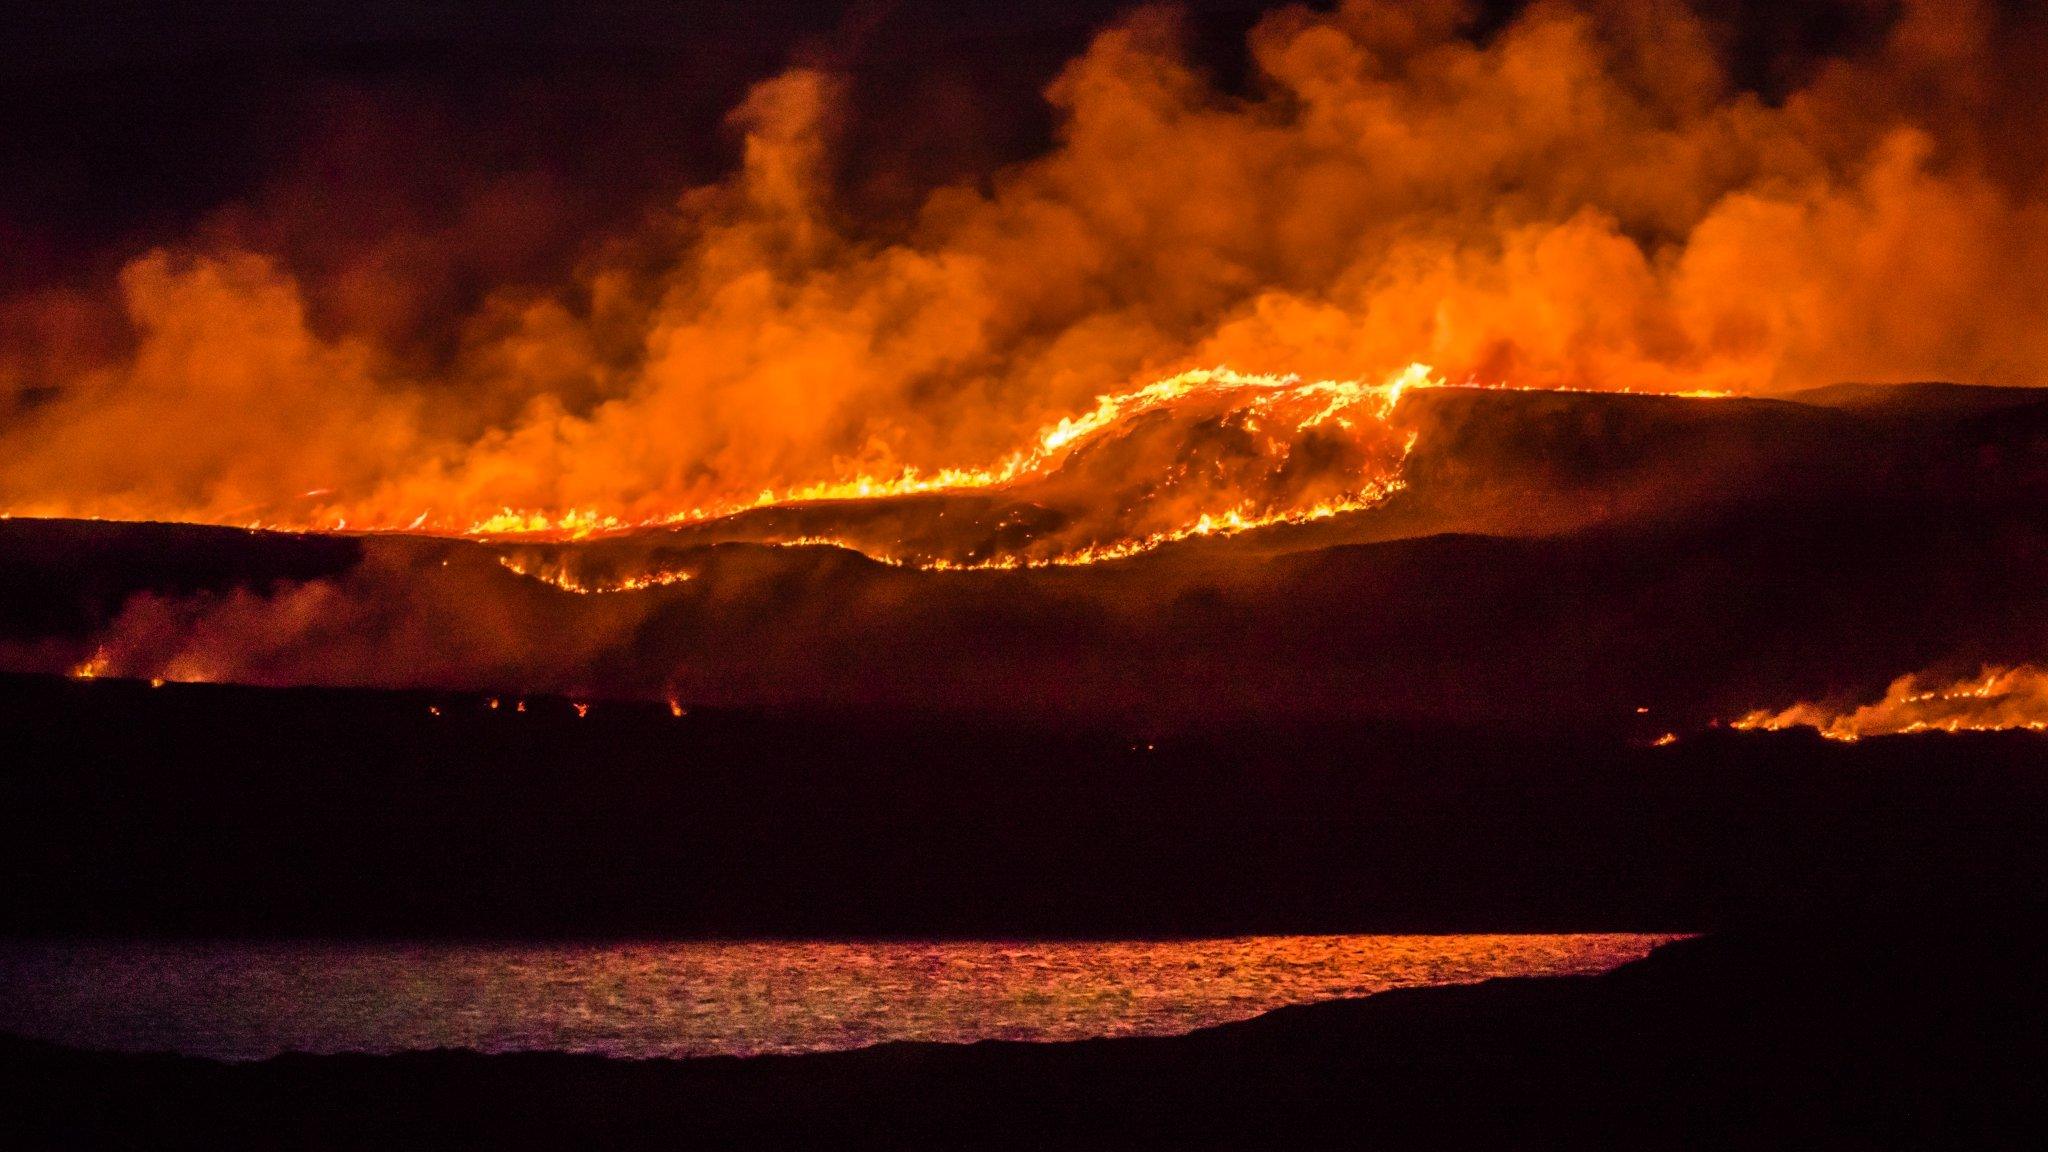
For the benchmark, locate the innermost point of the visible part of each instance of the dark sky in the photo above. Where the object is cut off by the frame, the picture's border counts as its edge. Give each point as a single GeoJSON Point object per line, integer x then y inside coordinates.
{"type": "Point", "coordinates": [86, 35]}
{"type": "Point", "coordinates": [91, 34]}
{"type": "Point", "coordinates": [131, 122]}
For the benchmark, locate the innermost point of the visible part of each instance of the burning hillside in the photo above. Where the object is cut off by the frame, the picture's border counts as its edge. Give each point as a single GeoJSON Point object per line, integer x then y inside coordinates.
{"type": "Point", "coordinates": [1581, 197]}
{"type": "Point", "coordinates": [782, 440]}
{"type": "Point", "coordinates": [1995, 699]}
{"type": "Point", "coordinates": [1547, 558]}
{"type": "Point", "coordinates": [665, 496]}
{"type": "Point", "coordinates": [1201, 454]}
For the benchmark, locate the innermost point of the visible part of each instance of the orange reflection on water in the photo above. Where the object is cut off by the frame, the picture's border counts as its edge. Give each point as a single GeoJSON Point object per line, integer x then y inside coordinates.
{"type": "Point", "coordinates": [251, 1000]}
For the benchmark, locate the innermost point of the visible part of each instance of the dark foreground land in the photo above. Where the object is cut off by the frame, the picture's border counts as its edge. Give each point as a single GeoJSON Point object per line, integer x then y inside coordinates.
{"type": "Point", "coordinates": [1441, 714]}
{"type": "Point", "coordinates": [219, 811]}
{"type": "Point", "coordinates": [1917, 1033]}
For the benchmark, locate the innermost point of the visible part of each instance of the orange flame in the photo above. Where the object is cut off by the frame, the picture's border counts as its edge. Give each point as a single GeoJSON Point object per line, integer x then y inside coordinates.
{"type": "Point", "coordinates": [559, 576]}
{"type": "Point", "coordinates": [1583, 197]}
{"type": "Point", "coordinates": [1308, 404]}
{"type": "Point", "coordinates": [1997, 698]}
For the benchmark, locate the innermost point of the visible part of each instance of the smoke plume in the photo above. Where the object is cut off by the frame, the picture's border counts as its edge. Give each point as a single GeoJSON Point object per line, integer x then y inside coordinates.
{"type": "Point", "coordinates": [1584, 197]}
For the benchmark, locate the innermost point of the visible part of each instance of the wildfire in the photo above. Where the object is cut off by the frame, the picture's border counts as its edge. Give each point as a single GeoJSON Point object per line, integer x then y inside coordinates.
{"type": "Point", "coordinates": [575, 524]}
{"type": "Point", "coordinates": [1276, 412]}
{"type": "Point", "coordinates": [1997, 698]}
{"type": "Point", "coordinates": [1278, 408]}
{"type": "Point", "coordinates": [559, 576]}
{"type": "Point", "coordinates": [100, 665]}
{"type": "Point", "coordinates": [1229, 523]}
{"type": "Point", "coordinates": [1307, 404]}
{"type": "Point", "coordinates": [1576, 195]}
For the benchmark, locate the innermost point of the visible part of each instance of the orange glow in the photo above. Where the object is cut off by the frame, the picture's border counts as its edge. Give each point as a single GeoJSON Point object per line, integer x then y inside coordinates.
{"type": "Point", "coordinates": [1997, 698]}
{"type": "Point", "coordinates": [1278, 411]}
{"type": "Point", "coordinates": [559, 576]}
{"type": "Point", "coordinates": [1577, 200]}
{"type": "Point", "coordinates": [1301, 406]}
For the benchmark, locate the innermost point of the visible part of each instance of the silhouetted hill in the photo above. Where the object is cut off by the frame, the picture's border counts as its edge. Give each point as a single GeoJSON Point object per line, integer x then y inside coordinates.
{"type": "Point", "coordinates": [1557, 560]}
{"type": "Point", "coordinates": [1432, 714]}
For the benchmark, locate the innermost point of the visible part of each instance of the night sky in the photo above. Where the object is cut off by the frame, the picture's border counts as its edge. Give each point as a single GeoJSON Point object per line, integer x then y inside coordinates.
{"type": "Point", "coordinates": [128, 122]}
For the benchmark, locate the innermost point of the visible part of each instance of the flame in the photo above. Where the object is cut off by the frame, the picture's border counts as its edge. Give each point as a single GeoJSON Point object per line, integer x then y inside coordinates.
{"type": "Point", "coordinates": [1579, 194]}
{"type": "Point", "coordinates": [1265, 395]}
{"type": "Point", "coordinates": [1228, 523]}
{"type": "Point", "coordinates": [558, 575]}
{"type": "Point", "coordinates": [101, 664]}
{"type": "Point", "coordinates": [1272, 406]}
{"type": "Point", "coordinates": [1996, 699]}
{"type": "Point", "coordinates": [1275, 407]}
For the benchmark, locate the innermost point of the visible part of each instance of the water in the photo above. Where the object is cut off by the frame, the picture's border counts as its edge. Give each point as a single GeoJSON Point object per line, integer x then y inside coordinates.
{"type": "Point", "coordinates": [251, 1000]}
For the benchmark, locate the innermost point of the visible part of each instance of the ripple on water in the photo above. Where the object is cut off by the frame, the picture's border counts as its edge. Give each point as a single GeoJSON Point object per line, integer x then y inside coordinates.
{"type": "Point", "coordinates": [250, 1000]}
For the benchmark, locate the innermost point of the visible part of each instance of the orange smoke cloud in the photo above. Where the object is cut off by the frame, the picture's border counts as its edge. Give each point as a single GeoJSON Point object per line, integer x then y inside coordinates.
{"type": "Point", "coordinates": [397, 619]}
{"type": "Point", "coordinates": [1583, 199]}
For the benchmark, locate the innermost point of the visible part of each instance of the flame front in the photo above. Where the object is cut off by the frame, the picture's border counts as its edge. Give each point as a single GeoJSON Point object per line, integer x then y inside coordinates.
{"type": "Point", "coordinates": [1288, 403]}
{"type": "Point", "coordinates": [559, 575]}
{"type": "Point", "coordinates": [1583, 197]}
{"type": "Point", "coordinates": [1205, 453]}
{"type": "Point", "coordinates": [1996, 699]}
{"type": "Point", "coordinates": [1268, 421]}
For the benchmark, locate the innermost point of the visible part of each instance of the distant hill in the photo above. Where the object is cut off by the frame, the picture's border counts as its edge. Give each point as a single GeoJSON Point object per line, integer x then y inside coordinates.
{"type": "Point", "coordinates": [1554, 559]}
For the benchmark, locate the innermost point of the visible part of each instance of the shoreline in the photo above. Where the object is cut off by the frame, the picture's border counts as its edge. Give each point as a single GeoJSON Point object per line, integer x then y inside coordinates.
{"type": "Point", "coordinates": [1868, 1032]}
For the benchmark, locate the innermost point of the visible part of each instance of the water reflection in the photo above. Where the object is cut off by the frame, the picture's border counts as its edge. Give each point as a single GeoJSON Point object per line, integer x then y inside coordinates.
{"type": "Point", "coordinates": [249, 1000]}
